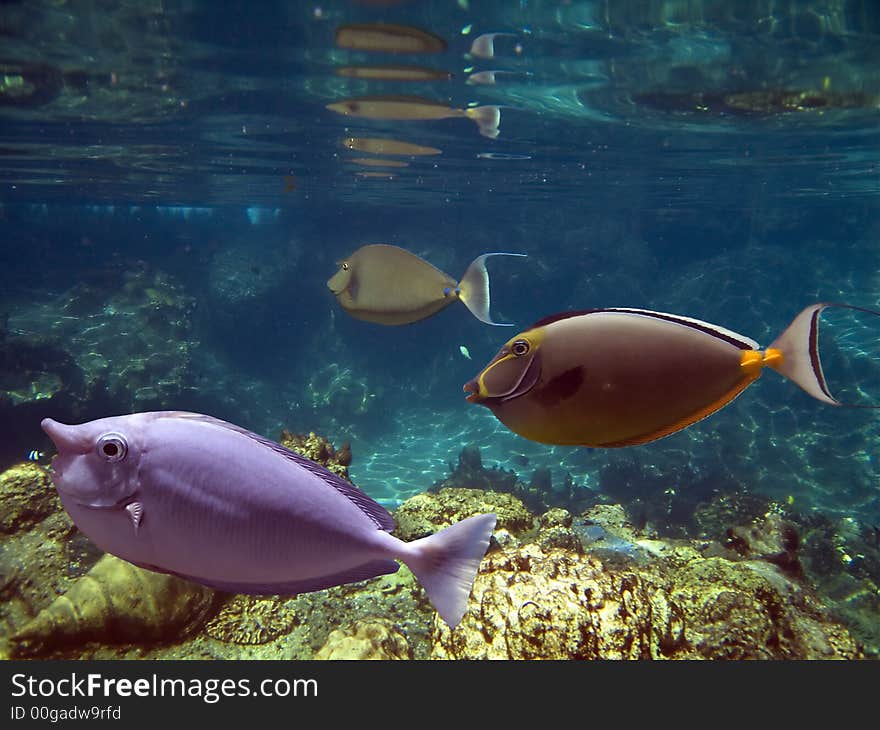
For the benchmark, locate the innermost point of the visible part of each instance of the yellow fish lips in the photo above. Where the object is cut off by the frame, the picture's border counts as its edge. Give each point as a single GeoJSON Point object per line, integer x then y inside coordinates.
{"type": "Point", "coordinates": [513, 372]}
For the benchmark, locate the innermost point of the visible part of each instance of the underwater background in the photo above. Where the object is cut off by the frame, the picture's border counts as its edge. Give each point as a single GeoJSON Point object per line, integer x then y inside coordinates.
{"type": "Point", "coordinates": [175, 193]}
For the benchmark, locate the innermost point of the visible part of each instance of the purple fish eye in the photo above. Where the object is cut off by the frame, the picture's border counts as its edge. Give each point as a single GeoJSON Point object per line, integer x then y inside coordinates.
{"type": "Point", "coordinates": [112, 447]}
{"type": "Point", "coordinates": [520, 347]}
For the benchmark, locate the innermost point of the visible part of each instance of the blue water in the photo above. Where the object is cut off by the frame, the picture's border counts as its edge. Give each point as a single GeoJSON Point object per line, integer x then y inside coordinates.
{"type": "Point", "coordinates": [174, 195]}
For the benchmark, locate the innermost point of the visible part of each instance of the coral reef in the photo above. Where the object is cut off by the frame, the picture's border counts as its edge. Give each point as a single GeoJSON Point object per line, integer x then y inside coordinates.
{"type": "Point", "coordinates": [370, 639]}
{"type": "Point", "coordinates": [26, 497]}
{"type": "Point", "coordinates": [772, 538]}
{"type": "Point", "coordinates": [538, 495]}
{"type": "Point", "coordinates": [245, 619]}
{"type": "Point", "coordinates": [319, 450]}
{"type": "Point", "coordinates": [125, 344]}
{"type": "Point", "coordinates": [115, 602]}
{"type": "Point", "coordinates": [557, 585]}
{"type": "Point", "coordinates": [41, 551]}
{"type": "Point", "coordinates": [531, 602]}
{"type": "Point", "coordinates": [397, 598]}
{"type": "Point", "coordinates": [425, 514]}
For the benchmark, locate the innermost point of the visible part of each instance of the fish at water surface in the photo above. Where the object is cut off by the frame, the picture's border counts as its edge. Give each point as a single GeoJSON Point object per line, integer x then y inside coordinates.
{"type": "Point", "coordinates": [416, 108]}
{"type": "Point", "coordinates": [390, 285]}
{"type": "Point", "coordinates": [213, 503]}
{"type": "Point", "coordinates": [619, 377]}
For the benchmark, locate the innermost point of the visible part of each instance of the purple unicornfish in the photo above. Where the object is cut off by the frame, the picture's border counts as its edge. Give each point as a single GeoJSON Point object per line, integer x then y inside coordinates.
{"type": "Point", "coordinates": [213, 503]}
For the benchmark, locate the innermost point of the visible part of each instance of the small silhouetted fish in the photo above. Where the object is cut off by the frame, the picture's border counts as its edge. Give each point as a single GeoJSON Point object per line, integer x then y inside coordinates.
{"type": "Point", "coordinates": [415, 108]}
{"type": "Point", "coordinates": [206, 500]}
{"type": "Point", "coordinates": [380, 146]}
{"type": "Point", "coordinates": [390, 285]}
{"type": "Point", "coordinates": [388, 38]}
{"type": "Point", "coordinates": [394, 73]}
{"type": "Point", "coordinates": [520, 459]}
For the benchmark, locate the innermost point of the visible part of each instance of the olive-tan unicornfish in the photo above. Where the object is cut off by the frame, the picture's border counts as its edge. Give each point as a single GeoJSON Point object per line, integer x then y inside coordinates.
{"type": "Point", "coordinates": [619, 376]}
{"type": "Point", "coordinates": [390, 285]}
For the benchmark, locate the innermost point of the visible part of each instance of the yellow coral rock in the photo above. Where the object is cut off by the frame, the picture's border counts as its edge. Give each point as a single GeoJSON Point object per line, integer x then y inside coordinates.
{"type": "Point", "coordinates": [425, 514]}
{"type": "Point", "coordinates": [26, 497]}
{"type": "Point", "coordinates": [115, 602]}
{"type": "Point", "coordinates": [369, 639]}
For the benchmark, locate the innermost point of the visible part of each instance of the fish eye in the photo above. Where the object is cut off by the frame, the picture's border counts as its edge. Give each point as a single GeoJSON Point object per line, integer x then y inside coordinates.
{"type": "Point", "coordinates": [345, 265]}
{"type": "Point", "coordinates": [520, 347]}
{"type": "Point", "coordinates": [112, 447]}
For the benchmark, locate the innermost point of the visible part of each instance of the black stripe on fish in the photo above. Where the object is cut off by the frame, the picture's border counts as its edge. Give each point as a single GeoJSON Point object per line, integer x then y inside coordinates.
{"type": "Point", "coordinates": [815, 363]}
{"type": "Point", "coordinates": [722, 334]}
{"type": "Point", "coordinates": [367, 505]}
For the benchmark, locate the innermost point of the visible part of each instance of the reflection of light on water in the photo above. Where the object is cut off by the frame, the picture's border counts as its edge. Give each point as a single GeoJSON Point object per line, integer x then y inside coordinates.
{"type": "Point", "coordinates": [183, 211]}
{"type": "Point", "coordinates": [258, 216]}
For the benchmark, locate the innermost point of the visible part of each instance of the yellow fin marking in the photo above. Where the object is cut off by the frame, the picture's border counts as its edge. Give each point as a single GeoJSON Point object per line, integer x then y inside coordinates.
{"type": "Point", "coordinates": [773, 358]}
{"type": "Point", "coordinates": [751, 361]}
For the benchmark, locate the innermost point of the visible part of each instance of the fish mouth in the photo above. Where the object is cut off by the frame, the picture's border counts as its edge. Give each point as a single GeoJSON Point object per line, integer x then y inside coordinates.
{"type": "Point", "coordinates": [472, 391]}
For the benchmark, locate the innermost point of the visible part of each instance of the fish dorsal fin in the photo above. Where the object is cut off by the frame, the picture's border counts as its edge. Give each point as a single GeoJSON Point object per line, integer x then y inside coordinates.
{"type": "Point", "coordinates": [366, 504]}
{"type": "Point", "coordinates": [740, 341]}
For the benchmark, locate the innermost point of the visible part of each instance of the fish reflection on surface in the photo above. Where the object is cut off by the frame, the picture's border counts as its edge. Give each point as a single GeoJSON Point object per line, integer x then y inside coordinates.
{"type": "Point", "coordinates": [483, 46]}
{"type": "Point", "coordinates": [415, 108]}
{"type": "Point", "coordinates": [388, 38]}
{"type": "Point", "coordinates": [394, 73]}
{"type": "Point", "coordinates": [379, 162]}
{"type": "Point", "coordinates": [380, 146]}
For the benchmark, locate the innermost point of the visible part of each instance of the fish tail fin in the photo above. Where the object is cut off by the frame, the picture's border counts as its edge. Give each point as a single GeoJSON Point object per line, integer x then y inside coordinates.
{"type": "Point", "coordinates": [795, 353]}
{"type": "Point", "coordinates": [446, 563]}
{"type": "Point", "coordinates": [474, 288]}
{"type": "Point", "coordinates": [488, 118]}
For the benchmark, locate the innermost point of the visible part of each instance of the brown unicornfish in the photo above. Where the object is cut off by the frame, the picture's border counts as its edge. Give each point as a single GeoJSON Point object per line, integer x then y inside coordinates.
{"type": "Point", "coordinates": [389, 285]}
{"type": "Point", "coordinates": [415, 108]}
{"type": "Point", "coordinates": [619, 377]}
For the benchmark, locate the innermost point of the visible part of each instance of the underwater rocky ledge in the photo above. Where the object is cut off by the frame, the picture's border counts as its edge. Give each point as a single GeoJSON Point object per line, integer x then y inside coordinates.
{"type": "Point", "coordinates": [555, 584]}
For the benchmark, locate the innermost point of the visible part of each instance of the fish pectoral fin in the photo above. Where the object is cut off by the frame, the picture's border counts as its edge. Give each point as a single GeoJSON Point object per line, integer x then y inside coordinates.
{"type": "Point", "coordinates": [288, 588]}
{"type": "Point", "coordinates": [135, 512]}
